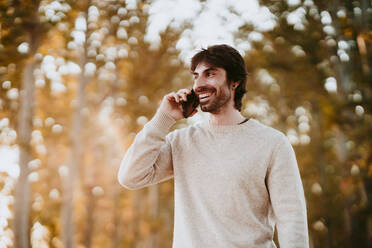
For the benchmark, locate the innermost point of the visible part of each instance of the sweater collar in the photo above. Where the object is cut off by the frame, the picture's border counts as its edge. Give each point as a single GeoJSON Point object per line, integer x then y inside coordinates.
{"type": "Point", "coordinates": [230, 128]}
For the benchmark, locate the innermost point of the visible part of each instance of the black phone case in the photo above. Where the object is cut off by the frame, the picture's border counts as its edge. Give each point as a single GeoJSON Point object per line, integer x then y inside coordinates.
{"type": "Point", "coordinates": [190, 105]}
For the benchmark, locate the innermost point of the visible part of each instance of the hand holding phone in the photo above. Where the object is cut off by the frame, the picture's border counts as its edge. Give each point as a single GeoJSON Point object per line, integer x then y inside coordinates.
{"type": "Point", "coordinates": [180, 104]}
{"type": "Point", "coordinates": [190, 104]}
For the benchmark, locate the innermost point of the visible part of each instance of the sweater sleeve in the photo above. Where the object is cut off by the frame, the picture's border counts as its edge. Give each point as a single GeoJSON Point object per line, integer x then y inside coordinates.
{"type": "Point", "coordinates": [149, 159]}
{"type": "Point", "coordinates": [287, 197]}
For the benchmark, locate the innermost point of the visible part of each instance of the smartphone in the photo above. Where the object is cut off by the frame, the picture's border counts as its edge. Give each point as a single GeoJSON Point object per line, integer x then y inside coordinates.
{"type": "Point", "coordinates": [190, 104]}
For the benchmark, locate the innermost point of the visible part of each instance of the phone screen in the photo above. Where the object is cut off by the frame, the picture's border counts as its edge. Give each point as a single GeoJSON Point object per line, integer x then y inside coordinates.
{"type": "Point", "coordinates": [190, 105]}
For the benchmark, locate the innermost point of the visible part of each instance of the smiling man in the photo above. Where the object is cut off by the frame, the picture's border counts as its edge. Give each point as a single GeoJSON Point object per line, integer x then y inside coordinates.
{"type": "Point", "coordinates": [235, 178]}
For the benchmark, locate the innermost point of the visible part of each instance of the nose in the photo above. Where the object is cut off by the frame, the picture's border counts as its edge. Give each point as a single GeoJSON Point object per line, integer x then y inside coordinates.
{"type": "Point", "coordinates": [198, 83]}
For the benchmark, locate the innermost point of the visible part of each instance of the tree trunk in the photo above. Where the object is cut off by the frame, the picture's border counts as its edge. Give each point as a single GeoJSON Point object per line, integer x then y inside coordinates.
{"type": "Point", "coordinates": [75, 161]}
{"type": "Point", "coordinates": [90, 177]}
{"type": "Point", "coordinates": [22, 189]}
{"type": "Point", "coordinates": [138, 213]}
{"type": "Point", "coordinates": [317, 141]}
{"type": "Point", "coordinates": [24, 130]}
{"type": "Point", "coordinates": [115, 238]}
{"type": "Point", "coordinates": [342, 155]}
{"type": "Point", "coordinates": [90, 217]}
{"type": "Point", "coordinates": [154, 209]}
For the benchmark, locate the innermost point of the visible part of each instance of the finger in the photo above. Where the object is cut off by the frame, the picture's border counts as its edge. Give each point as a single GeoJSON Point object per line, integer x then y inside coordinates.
{"type": "Point", "coordinates": [183, 93]}
{"type": "Point", "coordinates": [175, 97]}
{"type": "Point", "coordinates": [188, 91]}
{"type": "Point", "coordinates": [179, 95]}
{"type": "Point", "coordinates": [170, 96]}
{"type": "Point", "coordinates": [183, 96]}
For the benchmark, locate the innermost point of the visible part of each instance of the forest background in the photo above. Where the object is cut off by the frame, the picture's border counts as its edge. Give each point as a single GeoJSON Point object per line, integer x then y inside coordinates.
{"type": "Point", "coordinates": [78, 80]}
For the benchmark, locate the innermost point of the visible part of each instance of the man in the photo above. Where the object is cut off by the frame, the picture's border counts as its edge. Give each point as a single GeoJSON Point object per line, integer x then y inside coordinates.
{"type": "Point", "coordinates": [234, 178]}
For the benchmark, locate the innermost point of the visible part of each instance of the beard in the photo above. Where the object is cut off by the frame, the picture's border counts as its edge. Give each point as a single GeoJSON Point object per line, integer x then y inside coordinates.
{"type": "Point", "coordinates": [216, 102]}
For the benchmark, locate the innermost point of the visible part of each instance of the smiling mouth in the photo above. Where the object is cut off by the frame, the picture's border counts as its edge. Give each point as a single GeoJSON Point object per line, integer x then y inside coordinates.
{"type": "Point", "coordinates": [204, 97]}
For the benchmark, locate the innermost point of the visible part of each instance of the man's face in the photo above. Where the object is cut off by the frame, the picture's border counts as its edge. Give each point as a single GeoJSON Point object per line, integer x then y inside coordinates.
{"type": "Point", "coordinates": [210, 84]}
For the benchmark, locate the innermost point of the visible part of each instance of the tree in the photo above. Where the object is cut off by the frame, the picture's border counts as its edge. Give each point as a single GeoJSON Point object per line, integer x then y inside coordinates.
{"type": "Point", "coordinates": [21, 23]}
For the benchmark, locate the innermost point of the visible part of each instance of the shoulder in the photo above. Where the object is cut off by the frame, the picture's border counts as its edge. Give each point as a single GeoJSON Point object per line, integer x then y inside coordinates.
{"type": "Point", "coordinates": [271, 134]}
{"type": "Point", "coordinates": [185, 132]}
{"type": "Point", "coordinates": [283, 147]}
{"type": "Point", "coordinates": [269, 131]}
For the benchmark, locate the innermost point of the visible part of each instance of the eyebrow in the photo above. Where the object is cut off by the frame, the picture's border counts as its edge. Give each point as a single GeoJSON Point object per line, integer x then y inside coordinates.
{"type": "Point", "coordinates": [206, 70]}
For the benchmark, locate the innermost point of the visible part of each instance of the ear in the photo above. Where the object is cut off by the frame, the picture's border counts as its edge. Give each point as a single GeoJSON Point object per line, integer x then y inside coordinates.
{"type": "Point", "coordinates": [235, 85]}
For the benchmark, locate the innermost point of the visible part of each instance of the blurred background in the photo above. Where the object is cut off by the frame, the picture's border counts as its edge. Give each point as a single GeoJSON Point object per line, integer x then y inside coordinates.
{"type": "Point", "coordinates": [78, 80]}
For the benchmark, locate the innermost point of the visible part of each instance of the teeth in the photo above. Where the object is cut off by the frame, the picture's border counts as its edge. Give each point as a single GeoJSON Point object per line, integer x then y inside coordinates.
{"type": "Point", "coordinates": [203, 95]}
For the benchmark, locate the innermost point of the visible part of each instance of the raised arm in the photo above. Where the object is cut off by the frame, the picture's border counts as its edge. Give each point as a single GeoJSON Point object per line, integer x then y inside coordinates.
{"type": "Point", "coordinates": [149, 158]}
{"type": "Point", "coordinates": [287, 197]}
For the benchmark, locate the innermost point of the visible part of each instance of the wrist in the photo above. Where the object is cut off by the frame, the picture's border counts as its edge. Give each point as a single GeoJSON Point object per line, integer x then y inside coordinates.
{"type": "Point", "coordinates": [162, 121]}
{"type": "Point", "coordinates": [174, 114]}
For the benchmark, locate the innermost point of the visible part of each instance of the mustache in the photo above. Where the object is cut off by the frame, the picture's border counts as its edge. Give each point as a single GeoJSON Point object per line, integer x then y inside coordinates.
{"type": "Point", "coordinates": [204, 89]}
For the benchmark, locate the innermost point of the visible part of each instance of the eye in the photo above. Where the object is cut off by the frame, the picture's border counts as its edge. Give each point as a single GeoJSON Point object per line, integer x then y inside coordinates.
{"type": "Point", "coordinates": [210, 74]}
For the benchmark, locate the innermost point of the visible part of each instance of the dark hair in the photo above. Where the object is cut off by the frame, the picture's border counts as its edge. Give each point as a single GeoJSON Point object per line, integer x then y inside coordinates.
{"type": "Point", "coordinates": [228, 58]}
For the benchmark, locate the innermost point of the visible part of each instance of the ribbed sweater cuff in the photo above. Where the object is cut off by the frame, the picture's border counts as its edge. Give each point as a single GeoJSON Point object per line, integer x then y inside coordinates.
{"type": "Point", "coordinates": [162, 122]}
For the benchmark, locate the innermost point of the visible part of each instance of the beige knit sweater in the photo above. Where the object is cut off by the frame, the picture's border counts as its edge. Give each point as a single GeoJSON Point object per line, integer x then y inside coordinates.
{"type": "Point", "coordinates": [232, 183]}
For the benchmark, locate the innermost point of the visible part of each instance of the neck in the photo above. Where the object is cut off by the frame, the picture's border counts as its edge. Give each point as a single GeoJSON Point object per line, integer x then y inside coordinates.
{"type": "Point", "coordinates": [229, 116]}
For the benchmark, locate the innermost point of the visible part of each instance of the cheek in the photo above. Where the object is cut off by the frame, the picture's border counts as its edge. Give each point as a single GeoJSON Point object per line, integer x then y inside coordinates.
{"type": "Point", "coordinates": [224, 87]}
{"type": "Point", "coordinates": [212, 81]}
{"type": "Point", "coordinates": [217, 82]}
